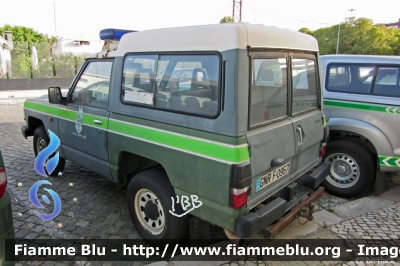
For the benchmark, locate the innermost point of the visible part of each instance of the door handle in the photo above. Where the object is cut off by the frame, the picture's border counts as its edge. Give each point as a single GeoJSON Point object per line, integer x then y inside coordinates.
{"type": "Point", "coordinates": [99, 122]}
{"type": "Point", "coordinates": [300, 130]}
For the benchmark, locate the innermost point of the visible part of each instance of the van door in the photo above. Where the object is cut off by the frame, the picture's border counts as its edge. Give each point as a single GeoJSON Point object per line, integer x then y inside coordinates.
{"type": "Point", "coordinates": [270, 135]}
{"type": "Point", "coordinates": [83, 131]}
{"type": "Point", "coordinates": [306, 115]}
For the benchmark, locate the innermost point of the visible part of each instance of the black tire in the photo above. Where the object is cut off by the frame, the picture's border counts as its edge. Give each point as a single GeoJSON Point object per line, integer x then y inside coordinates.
{"type": "Point", "coordinates": [154, 186]}
{"type": "Point", "coordinates": [353, 168]}
{"type": "Point", "coordinates": [40, 141]}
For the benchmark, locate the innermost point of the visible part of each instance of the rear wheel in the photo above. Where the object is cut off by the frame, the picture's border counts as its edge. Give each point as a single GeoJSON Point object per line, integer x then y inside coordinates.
{"type": "Point", "coordinates": [41, 141]}
{"type": "Point", "coordinates": [352, 169]}
{"type": "Point", "coordinates": [149, 202]}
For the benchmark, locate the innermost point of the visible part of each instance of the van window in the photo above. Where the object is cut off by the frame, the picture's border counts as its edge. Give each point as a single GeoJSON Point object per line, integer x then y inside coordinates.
{"type": "Point", "coordinates": [387, 81]}
{"type": "Point", "coordinates": [189, 83]}
{"type": "Point", "coordinates": [138, 78]}
{"type": "Point", "coordinates": [268, 90]}
{"type": "Point", "coordinates": [304, 83]}
{"type": "Point", "coordinates": [93, 86]}
{"type": "Point", "coordinates": [349, 78]}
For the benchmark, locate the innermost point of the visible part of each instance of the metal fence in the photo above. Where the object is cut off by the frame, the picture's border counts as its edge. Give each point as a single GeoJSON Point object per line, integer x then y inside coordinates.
{"type": "Point", "coordinates": [33, 66]}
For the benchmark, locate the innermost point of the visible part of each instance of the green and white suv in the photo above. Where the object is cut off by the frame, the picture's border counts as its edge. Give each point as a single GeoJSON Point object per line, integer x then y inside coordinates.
{"type": "Point", "coordinates": [362, 102]}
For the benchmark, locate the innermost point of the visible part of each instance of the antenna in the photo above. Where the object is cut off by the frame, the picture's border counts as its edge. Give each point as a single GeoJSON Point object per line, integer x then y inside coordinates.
{"type": "Point", "coordinates": [237, 10]}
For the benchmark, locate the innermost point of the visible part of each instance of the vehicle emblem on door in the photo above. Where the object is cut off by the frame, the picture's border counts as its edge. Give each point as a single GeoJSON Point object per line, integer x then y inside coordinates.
{"type": "Point", "coordinates": [79, 120]}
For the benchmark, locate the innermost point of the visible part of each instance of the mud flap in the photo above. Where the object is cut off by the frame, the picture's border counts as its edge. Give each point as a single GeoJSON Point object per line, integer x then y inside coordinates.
{"type": "Point", "coordinates": [380, 182]}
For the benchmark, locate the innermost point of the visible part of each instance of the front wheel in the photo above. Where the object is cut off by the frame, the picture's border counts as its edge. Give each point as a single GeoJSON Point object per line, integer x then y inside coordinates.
{"type": "Point", "coordinates": [149, 202]}
{"type": "Point", "coordinates": [40, 141]}
{"type": "Point", "coordinates": [352, 168]}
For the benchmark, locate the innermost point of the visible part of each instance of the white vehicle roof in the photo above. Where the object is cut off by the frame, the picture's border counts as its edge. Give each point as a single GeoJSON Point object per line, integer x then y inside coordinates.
{"type": "Point", "coordinates": [359, 59]}
{"type": "Point", "coordinates": [219, 37]}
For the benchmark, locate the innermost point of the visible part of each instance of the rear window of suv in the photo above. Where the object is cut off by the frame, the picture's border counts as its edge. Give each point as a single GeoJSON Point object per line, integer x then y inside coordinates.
{"type": "Point", "coordinates": [363, 79]}
{"type": "Point", "coordinates": [272, 97]}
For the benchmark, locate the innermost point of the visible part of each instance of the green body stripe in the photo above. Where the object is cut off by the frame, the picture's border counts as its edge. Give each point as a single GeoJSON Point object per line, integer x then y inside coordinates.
{"type": "Point", "coordinates": [214, 150]}
{"type": "Point", "coordinates": [232, 154]}
{"type": "Point", "coordinates": [42, 108]}
{"type": "Point", "coordinates": [389, 161]}
{"type": "Point", "coordinates": [363, 106]}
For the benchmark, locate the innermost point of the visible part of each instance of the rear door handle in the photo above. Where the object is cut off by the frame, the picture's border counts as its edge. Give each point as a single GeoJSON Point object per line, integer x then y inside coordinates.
{"type": "Point", "coordinates": [300, 130]}
{"type": "Point", "coordinates": [99, 122]}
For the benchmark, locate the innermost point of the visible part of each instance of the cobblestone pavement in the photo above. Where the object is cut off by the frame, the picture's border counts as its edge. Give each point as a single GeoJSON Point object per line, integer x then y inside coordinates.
{"type": "Point", "coordinates": [381, 224]}
{"type": "Point", "coordinates": [94, 207]}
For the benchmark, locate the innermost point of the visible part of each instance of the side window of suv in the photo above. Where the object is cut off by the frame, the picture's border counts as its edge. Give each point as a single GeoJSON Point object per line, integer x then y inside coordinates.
{"type": "Point", "coordinates": [180, 83]}
{"type": "Point", "coordinates": [189, 83]}
{"type": "Point", "coordinates": [387, 81]}
{"type": "Point", "coordinates": [349, 78]}
{"type": "Point", "coordinates": [138, 79]}
{"type": "Point", "coordinates": [93, 86]}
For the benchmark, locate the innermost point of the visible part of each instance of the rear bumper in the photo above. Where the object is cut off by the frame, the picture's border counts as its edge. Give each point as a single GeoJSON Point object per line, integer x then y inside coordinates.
{"type": "Point", "coordinates": [26, 132]}
{"type": "Point", "coordinates": [254, 222]}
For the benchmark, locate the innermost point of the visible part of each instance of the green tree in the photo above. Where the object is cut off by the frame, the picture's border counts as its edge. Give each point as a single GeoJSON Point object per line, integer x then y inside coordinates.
{"type": "Point", "coordinates": [357, 36]}
{"type": "Point", "coordinates": [23, 40]}
{"type": "Point", "coordinates": [227, 19]}
{"type": "Point", "coordinates": [307, 31]}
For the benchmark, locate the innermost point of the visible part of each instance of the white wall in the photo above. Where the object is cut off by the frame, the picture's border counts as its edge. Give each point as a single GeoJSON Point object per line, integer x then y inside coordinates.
{"type": "Point", "coordinates": [68, 46]}
{"type": "Point", "coordinates": [5, 57]}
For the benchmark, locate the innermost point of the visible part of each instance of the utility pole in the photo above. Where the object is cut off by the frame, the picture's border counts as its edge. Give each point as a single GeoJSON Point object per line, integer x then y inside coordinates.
{"type": "Point", "coordinates": [351, 18]}
{"type": "Point", "coordinates": [55, 21]}
{"type": "Point", "coordinates": [338, 35]}
{"type": "Point", "coordinates": [237, 10]}
{"type": "Point", "coordinates": [351, 11]}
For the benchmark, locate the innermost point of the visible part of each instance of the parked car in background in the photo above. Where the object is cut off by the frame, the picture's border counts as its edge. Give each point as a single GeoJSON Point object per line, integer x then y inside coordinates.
{"type": "Point", "coordinates": [362, 102]}
{"type": "Point", "coordinates": [6, 215]}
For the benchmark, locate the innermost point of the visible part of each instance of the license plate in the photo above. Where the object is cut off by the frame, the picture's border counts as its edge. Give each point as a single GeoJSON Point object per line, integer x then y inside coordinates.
{"type": "Point", "coordinates": [272, 176]}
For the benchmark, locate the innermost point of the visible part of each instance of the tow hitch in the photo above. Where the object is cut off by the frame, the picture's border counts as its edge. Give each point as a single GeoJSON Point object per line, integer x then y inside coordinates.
{"type": "Point", "coordinates": [306, 212]}
{"type": "Point", "coordinates": [304, 209]}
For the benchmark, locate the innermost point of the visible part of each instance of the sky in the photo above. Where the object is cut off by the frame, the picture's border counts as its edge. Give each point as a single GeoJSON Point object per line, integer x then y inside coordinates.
{"type": "Point", "coordinates": [83, 19]}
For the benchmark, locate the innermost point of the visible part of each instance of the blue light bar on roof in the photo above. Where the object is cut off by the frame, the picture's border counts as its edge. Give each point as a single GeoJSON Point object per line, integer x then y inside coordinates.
{"type": "Point", "coordinates": [113, 34]}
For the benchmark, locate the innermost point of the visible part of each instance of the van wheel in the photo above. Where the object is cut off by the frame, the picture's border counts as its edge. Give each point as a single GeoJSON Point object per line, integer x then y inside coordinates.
{"type": "Point", "coordinates": [149, 202]}
{"type": "Point", "coordinates": [41, 141]}
{"type": "Point", "coordinates": [352, 170]}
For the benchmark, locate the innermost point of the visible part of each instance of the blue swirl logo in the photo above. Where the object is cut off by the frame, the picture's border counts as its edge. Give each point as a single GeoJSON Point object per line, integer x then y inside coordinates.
{"type": "Point", "coordinates": [41, 159]}
{"type": "Point", "coordinates": [41, 162]}
{"type": "Point", "coordinates": [35, 201]}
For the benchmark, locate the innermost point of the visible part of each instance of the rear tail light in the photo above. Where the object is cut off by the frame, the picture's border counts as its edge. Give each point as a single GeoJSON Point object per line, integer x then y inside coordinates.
{"type": "Point", "coordinates": [239, 197]}
{"type": "Point", "coordinates": [3, 182]}
{"type": "Point", "coordinates": [323, 150]}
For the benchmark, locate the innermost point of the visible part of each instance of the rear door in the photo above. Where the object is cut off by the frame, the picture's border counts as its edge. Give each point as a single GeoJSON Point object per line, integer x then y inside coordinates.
{"type": "Point", "coordinates": [306, 115]}
{"type": "Point", "coordinates": [270, 135]}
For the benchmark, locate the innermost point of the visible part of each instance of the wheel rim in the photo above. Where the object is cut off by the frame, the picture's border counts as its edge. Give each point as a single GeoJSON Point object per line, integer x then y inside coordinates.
{"type": "Point", "coordinates": [145, 197]}
{"type": "Point", "coordinates": [41, 144]}
{"type": "Point", "coordinates": [344, 172]}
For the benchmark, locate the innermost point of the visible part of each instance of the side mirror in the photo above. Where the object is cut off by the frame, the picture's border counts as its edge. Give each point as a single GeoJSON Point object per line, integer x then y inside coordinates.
{"type": "Point", "coordinates": [55, 95]}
